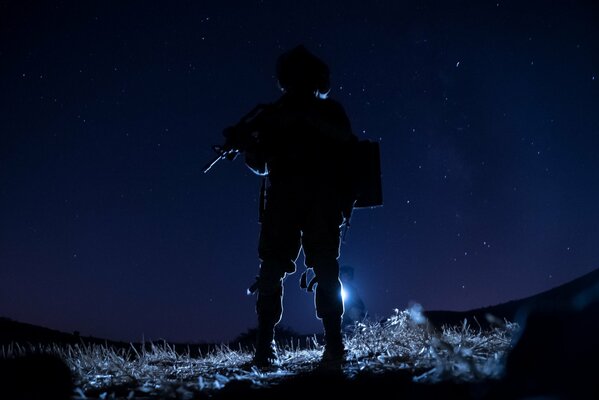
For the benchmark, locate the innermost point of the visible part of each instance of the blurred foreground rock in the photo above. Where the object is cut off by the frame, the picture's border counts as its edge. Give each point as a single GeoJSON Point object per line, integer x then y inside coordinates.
{"type": "Point", "coordinates": [35, 377]}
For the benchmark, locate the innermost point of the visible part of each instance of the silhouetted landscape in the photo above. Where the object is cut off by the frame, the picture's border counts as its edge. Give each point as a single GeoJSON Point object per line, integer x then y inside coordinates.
{"type": "Point", "coordinates": [552, 353]}
{"type": "Point", "coordinates": [555, 300]}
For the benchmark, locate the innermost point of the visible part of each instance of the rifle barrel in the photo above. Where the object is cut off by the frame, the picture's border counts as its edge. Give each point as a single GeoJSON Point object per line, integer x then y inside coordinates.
{"type": "Point", "coordinates": [214, 161]}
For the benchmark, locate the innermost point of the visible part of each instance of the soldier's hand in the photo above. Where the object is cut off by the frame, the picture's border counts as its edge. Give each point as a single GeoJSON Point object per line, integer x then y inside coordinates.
{"type": "Point", "coordinates": [232, 141]}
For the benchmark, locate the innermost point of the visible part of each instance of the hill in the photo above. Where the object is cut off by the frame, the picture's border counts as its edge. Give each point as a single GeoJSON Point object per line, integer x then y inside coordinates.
{"type": "Point", "coordinates": [560, 298]}
{"type": "Point", "coordinates": [551, 355]}
{"type": "Point", "coordinates": [552, 300]}
{"type": "Point", "coordinates": [12, 332]}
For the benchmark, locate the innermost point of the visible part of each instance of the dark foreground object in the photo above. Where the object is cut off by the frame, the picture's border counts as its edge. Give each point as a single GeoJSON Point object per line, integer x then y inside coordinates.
{"type": "Point", "coordinates": [336, 386]}
{"type": "Point", "coordinates": [557, 354]}
{"type": "Point", "coordinates": [399, 385]}
{"type": "Point", "coordinates": [35, 377]}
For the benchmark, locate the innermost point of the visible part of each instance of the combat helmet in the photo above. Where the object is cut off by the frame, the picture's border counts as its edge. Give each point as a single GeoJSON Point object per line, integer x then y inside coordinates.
{"type": "Point", "coordinates": [300, 70]}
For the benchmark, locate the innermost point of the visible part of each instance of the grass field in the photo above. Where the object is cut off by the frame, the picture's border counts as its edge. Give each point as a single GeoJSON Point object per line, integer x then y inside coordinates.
{"type": "Point", "coordinates": [404, 342]}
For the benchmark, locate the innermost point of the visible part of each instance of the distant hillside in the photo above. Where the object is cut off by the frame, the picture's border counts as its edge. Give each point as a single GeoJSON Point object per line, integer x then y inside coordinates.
{"type": "Point", "coordinates": [19, 332]}
{"type": "Point", "coordinates": [23, 334]}
{"type": "Point", "coordinates": [554, 300]}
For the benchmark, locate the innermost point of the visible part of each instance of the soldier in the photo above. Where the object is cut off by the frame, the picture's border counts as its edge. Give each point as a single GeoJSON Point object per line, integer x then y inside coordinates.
{"type": "Point", "coordinates": [299, 144]}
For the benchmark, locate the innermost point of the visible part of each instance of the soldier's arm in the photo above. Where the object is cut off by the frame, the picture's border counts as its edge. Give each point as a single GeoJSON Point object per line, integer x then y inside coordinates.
{"type": "Point", "coordinates": [258, 128]}
{"type": "Point", "coordinates": [256, 163]}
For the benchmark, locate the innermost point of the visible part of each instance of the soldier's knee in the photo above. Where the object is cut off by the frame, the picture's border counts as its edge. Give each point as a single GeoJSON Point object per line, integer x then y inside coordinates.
{"type": "Point", "coordinates": [323, 260]}
{"type": "Point", "coordinates": [277, 266]}
{"type": "Point", "coordinates": [270, 282]}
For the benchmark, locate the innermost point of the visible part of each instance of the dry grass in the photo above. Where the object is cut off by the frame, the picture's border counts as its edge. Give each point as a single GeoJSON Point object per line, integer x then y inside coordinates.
{"type": "Point", "coordinates": [403, 341]}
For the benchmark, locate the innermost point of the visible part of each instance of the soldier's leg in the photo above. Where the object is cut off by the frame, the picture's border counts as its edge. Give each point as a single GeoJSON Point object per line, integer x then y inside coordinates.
{"type": "Point", "coordinates": [278, 249]}
{"type": "Point", "coordinates": [321, 247]}
{"type": "Point", "coordinates": [329, 303]}
{"type": "Point", "coordinates": [269, 306]}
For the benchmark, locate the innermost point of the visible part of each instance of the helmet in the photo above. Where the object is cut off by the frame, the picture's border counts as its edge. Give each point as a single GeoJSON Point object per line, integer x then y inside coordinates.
{"type": "Point", "coordinates": [300, 70]}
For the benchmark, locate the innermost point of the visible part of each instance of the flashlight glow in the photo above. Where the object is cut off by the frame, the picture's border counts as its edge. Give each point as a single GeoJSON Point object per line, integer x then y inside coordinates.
{"type": "Point", "coordinates": [343, 295]}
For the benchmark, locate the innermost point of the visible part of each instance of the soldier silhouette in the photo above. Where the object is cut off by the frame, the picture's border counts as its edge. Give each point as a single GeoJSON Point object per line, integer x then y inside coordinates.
{"type": "Point", "coordinates": [298, 143]}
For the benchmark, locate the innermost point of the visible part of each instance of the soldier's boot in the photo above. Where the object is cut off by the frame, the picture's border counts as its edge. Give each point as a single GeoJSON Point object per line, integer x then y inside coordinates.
{"type": "Point", "coordinates": [266, 350]}
{"type": "Point", "coordinates": [334, 350]}
{"type": "Point", "coordinates": [269, 311]}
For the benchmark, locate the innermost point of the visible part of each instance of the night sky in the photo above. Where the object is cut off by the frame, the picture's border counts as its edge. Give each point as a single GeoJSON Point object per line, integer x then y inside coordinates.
{"type": "Point", "coordinates": [486, 112]}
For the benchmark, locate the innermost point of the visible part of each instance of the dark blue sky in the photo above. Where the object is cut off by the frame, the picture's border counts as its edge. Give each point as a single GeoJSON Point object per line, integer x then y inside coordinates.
{"type": "Point", "coordinates": [486, 112]}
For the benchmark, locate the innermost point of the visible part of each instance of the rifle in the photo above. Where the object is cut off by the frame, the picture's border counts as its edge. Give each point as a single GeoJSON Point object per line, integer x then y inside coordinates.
{"type": "Point", "coordinates": [221, 153]}
{"type": "Point", "coordinates": [238, 137]}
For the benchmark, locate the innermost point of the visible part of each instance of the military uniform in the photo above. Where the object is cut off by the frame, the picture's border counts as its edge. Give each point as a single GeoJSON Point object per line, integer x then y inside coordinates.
{"type": "Point", "coordinates": [300, 146]}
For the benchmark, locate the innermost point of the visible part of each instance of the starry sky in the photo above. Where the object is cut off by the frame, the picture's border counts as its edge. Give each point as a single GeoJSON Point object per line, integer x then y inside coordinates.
{"type": "Point", "coordinates": [486, 113]}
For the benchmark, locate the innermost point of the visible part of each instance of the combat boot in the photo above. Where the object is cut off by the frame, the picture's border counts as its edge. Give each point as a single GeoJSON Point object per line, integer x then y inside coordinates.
{"type": "Point", "coordinates": [334, 350]}
{"type": "Point", "coordinates": [269, 309]}
{"type": "Point", "coordinates": [266, 349]}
